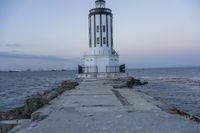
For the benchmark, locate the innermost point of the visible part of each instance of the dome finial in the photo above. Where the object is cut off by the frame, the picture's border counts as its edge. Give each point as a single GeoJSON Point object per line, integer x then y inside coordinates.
{"type": "Point", "coordinates": [100, 3]}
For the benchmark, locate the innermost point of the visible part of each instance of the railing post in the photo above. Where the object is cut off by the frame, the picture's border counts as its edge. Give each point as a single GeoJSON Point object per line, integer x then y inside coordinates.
{"type": "Point", "coordinates": [87, 69]}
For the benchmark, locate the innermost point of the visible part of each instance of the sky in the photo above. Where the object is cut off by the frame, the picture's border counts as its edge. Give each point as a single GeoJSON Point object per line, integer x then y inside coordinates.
{"type": "Point", "coordinates": [147, 33]}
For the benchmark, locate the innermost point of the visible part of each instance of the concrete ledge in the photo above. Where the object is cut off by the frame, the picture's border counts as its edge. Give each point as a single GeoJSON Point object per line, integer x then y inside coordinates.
{"type": "Point", "coordinates": [101, 75]}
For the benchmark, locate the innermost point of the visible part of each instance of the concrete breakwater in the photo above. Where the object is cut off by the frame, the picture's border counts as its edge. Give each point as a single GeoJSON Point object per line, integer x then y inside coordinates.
{"type": "Point", "coordinates": [107, 106]}
{"type": "Point", "coordinates": [37, 101]}
{"type": "Point", "coordinates": [32, 104]}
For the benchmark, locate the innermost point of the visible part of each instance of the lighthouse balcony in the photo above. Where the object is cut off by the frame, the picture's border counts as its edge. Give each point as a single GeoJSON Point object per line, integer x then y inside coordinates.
{"type": "Point", "coordinates": [100, 11]}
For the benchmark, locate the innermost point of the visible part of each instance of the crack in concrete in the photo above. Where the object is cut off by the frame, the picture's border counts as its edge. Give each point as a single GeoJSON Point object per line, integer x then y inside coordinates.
{"type": "Point", "coordinates": [87, 94]}
{"type": "Point", "coordinates": [122, 99]}
{"type": "Point", "coordinates": [98, 105]}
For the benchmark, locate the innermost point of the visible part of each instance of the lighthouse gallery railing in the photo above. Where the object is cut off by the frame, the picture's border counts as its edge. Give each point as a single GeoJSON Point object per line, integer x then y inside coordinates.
{"type": "Point", "coordinates": [108, 69]}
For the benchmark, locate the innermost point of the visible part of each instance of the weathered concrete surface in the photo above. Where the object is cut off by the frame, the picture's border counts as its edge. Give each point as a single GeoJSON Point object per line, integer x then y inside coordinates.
{"type": "Point", "coordinates": [95, 107]}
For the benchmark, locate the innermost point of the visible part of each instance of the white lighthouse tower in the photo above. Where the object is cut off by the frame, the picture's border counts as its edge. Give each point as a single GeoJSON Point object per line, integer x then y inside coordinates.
{"type": "Point", "coordinates": [101, 59]}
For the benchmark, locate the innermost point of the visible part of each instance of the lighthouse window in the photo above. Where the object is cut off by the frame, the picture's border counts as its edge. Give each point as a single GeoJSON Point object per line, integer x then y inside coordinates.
{"type": "Point", "coordinates": [104, 28]}
{"type": "Point", "coordinates": [97, 40]}
{"type": "Point", "coordinates": [97, 28]}
{"type": "Point", "coordinates": [104, 40]}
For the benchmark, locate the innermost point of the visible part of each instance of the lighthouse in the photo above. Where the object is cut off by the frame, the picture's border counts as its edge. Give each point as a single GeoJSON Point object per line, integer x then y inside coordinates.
{"type": "Point", "coordinates": [101, 60]}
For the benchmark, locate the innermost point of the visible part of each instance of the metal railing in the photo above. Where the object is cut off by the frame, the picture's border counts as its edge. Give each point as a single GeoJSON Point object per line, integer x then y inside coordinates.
{"type": "Point", "coordinates": [112, 69]}
{"type": "Point", "coordinates": [95, 69]}
{"type": "Point", "coordinates": [100, 10]}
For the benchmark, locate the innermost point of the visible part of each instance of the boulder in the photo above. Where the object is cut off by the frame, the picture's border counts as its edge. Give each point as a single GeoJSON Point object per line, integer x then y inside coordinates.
{"type": "Point", "coordinates": [32, 104]}
{"type": "Point", "coordinates": [4, 128]}
{"type": "Point", "coordinates": [127, 82]}
{"type": "Point", "coordinates": [49, 96]}
{"type": "Point", "coordinates": [66, 85]}
{"type": "Point", "coordinates": [38, 116]}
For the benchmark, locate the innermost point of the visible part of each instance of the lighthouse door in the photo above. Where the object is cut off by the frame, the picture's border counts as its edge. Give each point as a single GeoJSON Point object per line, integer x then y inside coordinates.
{"type": "Point", "coordinates": [101, 65]}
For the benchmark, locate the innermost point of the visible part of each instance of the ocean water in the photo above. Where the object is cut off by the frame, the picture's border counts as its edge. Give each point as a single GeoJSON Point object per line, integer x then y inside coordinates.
{"type": "Point", "coordinates": [179, 87]}
{"type": "Point", "coordinates": [16, 87]}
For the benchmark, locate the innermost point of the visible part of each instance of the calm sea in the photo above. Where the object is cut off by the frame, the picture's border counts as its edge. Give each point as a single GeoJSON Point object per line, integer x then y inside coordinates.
{"type": "Point", "coordinates": [179, 87]}
{"type": "Point", "coordinates": [16, 87]}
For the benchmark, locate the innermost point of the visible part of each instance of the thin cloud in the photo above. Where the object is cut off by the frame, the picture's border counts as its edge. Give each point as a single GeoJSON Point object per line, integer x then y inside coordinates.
{"type": "Point", "coordinates": [27, 56]}
{"type": "Point", "coordinates": [13, 45]}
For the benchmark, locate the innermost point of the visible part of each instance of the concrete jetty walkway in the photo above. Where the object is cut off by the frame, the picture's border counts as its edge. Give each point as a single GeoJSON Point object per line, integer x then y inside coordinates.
{"type": "Point", "coordinates": [95, 107]}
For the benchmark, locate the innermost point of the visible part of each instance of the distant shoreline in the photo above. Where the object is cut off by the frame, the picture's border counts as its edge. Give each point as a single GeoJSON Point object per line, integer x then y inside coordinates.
{"type": "Point", "coordinates": [37, 70]}
{"type": "Point", "coordinates": [59, 70]}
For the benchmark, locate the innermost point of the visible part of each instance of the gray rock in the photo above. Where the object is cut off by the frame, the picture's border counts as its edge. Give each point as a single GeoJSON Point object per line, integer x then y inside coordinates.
{"type": "Point", "coordinates": [4, 128]}
{"type": "Point", "coordinates": [48, 97]}
{"type": "Point", "coordinates": [32, 104]}
{"type": "Point", "coordinates": [127, 82]}
{"type": "Point", "coordinates": [37, 101]}
{"type": "Point", "coordinates": [38, 116]}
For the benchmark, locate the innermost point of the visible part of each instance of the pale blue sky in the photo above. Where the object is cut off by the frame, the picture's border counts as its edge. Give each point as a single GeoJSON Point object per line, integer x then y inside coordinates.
{"type": "Point", "coordinates": [147, 33]}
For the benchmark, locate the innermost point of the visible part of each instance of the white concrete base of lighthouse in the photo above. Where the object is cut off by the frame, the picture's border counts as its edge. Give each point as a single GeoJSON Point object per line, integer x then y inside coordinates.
{"type": "Point", "coordinates": [101, 63]}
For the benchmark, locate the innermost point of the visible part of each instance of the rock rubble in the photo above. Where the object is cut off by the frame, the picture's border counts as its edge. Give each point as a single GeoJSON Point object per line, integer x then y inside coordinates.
{"type": "Point", "coordinates": [37, 101]}
{"type": "Point", "coordinates": [127, 82]}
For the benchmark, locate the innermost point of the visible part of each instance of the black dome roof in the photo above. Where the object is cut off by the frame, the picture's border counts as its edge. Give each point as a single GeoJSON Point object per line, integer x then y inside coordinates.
{"type": "Point", "coordinates": [100, 1]}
